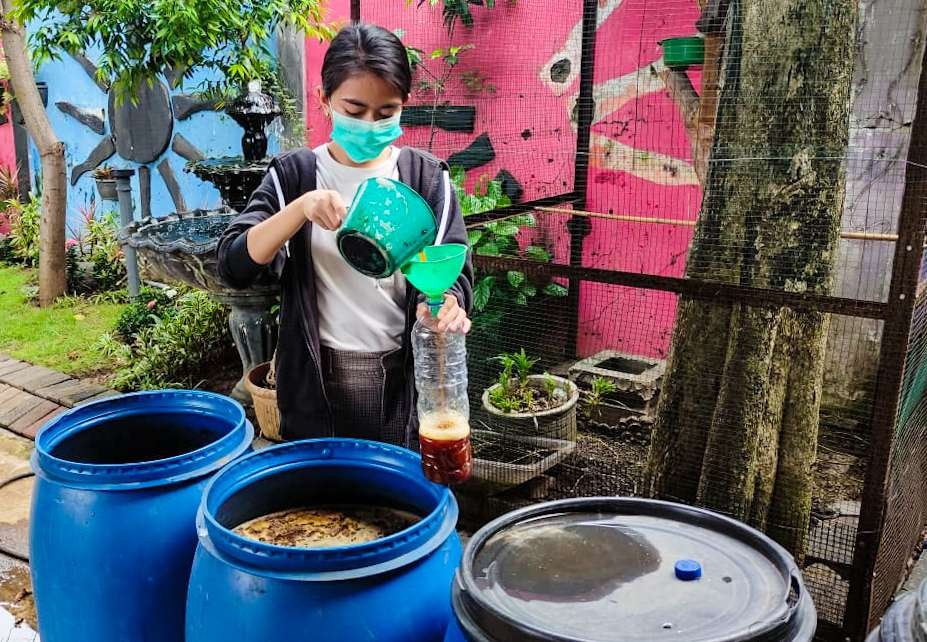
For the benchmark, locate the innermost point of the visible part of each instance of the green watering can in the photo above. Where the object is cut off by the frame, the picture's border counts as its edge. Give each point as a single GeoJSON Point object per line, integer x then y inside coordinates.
{"type": "Point", "coordinates": [387, 224]}
{"type": "Point", "coordinates": [390, 227]}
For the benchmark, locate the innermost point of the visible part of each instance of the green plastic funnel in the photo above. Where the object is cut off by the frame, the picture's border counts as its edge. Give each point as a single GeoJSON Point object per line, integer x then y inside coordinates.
{"type": "Point", "coordinates": [438, 271]}
{"type": "Point", "coordinates": [387, 224]}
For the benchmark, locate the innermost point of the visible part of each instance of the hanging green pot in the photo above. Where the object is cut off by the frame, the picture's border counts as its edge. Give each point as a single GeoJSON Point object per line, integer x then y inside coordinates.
{"type": "Point", "coordinates": [681, 53]}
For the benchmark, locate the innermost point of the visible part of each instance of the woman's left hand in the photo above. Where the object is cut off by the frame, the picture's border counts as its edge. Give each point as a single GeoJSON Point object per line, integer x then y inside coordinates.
{"type": "Point", "coordinates": [451, 317]}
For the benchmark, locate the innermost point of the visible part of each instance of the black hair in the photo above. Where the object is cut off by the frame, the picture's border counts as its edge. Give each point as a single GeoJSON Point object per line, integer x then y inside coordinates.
{"type": "Point", "coordinates": [362, 47]}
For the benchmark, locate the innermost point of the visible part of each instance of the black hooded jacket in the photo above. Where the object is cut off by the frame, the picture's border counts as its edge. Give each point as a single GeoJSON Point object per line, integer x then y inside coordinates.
{"type": "Point", "coordinates": [304, 408]}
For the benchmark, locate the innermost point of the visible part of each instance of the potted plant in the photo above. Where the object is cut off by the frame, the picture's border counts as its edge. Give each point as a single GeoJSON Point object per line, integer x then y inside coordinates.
{"type": "Point", "coordinates": [261, 382]}
{"type": "Point", "coordinates": [522, 403]}
{"type": "Point", "coordinates": [106, 183]}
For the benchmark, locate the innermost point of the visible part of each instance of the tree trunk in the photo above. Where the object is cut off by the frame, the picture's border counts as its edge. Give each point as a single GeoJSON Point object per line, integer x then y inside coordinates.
{"type": "Point", "coordinates": [736, 429]}
{"type": "Point", "coordinates": [52, 271]}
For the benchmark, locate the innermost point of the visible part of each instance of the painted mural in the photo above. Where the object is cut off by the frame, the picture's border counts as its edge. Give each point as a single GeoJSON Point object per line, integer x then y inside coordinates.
{"type": "Point", "coordinates": [521, 77]}
{"type": "Point", "coordinates": [156, 138]}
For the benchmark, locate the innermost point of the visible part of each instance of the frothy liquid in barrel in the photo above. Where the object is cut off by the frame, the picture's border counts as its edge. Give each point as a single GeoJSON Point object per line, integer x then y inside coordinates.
{"type": "Point", "coordinates": [326, 526]}
{"type": "Point", "coordinates": [444, 440]}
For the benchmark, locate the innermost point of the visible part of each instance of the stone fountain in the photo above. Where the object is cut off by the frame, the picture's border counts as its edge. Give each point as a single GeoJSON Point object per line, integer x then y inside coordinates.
{"type": "Point", "coordinates": [182, 246]}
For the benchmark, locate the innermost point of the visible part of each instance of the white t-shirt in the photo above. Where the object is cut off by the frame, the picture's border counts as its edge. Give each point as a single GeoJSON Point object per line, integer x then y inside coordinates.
{"type": "Point", "coordinates": [356, 312]}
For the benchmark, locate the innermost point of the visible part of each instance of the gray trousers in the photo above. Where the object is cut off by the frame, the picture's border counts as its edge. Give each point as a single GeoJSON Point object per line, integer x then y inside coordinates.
{"type": "Point", "coordinates": [354, 384]}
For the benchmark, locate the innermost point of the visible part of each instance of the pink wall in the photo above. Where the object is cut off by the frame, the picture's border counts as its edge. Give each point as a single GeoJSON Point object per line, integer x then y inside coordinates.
{"type": "Point", "coordinates": [640, 160]}
{"type": "Point", "coordinates": [7, 156]}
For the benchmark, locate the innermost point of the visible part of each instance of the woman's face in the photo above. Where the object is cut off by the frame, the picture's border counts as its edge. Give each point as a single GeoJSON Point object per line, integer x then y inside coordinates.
{"type": "Point", "coordinates": [365, 96]}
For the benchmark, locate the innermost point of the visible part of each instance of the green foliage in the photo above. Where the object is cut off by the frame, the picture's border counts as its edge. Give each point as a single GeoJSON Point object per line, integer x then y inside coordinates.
{"type": "Point", "coordinates": [500, 238]}
{"type": "Point", "coordinates": [9, 184]}
{"type": "Point", "coordinates": [597, 393]}
{"type": "Point", "coordinates": [454, 10]}
{"type": "Point", "coordinates": [24, 229]}
{"type": "Point", "coordinates": [486, 195]}
{"type": "Point", "coordinates": [153, 306]}
{"type": "Point", "coordinates": [98, 246]}
{"type": "Point", "coordinates": [141, 39]}
{"type": "Point", "coordinates": [170, 351]}
{"type": "Point", "coordinates": [516, 392]}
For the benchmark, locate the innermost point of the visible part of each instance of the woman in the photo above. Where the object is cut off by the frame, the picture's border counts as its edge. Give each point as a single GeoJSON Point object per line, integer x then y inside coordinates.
{"type": "Point", "coordinates": [344, 360]}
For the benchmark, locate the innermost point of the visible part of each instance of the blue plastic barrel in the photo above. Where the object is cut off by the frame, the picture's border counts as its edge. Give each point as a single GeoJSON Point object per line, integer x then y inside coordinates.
{"type": "Point", "coordinates": [113, 530]}
{"type": "Point", "coordinates": [615, 569]}
{"type": "Point", "coordinates": [394, 589]}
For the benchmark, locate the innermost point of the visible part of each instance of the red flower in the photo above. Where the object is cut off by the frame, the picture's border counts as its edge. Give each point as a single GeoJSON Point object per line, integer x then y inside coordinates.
{"type": "Point", "coordinates": [152, 304]}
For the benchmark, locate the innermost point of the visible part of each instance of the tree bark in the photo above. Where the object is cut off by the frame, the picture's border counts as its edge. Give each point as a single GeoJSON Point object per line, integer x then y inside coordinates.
{"type": "Point", "coordinates": [52, 271]}
{"type": "Point", "coordinates": [770, 219]}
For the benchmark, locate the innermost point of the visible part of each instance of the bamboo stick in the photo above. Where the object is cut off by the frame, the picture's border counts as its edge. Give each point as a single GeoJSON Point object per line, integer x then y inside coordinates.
{"type": "Point", "coordinates": [853, 236]}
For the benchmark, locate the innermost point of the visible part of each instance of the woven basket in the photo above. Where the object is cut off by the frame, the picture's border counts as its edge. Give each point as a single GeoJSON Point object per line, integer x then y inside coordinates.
{"type": "Point", "coordinates": [265, 402]}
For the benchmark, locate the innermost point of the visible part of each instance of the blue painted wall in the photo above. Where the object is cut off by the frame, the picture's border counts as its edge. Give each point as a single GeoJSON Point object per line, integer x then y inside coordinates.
{"type": "Point", "coordinates": [214, 134]}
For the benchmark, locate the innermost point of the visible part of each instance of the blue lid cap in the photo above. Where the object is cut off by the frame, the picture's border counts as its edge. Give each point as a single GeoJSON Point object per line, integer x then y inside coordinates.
{"type": "Point", "coordinates": [688, 570]}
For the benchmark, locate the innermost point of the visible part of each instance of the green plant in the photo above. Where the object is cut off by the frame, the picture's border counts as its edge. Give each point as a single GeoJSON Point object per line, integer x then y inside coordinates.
{"type": "Point", "coordinates": [153, 306]}
{"type": "Point", "coordinates": [487, 194]}
{"type": "Point", "coordinates": [9, 184]}
{"type": "Point", "coordinates": [98, 246]}
{"type": "Point", "coordinates": [172, 350]}
{"type": "Point", "coordinates": [103, 173]}
{"type": "Point", "coordinates": [141, 39]}
{"type": "Point", "coordinates": [516, 392]}
{"type": "Point", "coordinates": [454, 10]}
{"type": "Point", "coordinates": [435, 81]}
{"type": "Point", "coordinates": [599, 390]}
{"type": "Point", "coordinates": [24, 229]}
{"type": "Point", "coordinates": [500, 238]}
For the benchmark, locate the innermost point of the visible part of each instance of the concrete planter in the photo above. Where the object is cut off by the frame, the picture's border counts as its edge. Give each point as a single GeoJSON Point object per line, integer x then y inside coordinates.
{"type": "Point", "coordinates": [557, 423]}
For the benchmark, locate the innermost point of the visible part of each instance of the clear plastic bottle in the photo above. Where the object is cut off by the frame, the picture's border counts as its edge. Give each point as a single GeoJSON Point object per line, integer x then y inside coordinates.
{"type": "Point", "coordinates": [443, 405]}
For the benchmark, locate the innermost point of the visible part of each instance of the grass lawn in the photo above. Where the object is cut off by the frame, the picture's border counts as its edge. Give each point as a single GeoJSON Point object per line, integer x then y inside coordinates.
{"type": "Point", "coordinates": [59, 337]}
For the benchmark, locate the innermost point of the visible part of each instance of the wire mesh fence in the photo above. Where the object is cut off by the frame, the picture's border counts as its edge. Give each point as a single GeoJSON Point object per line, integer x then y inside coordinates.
{"type": "Point", "coordinates": [708, 268]}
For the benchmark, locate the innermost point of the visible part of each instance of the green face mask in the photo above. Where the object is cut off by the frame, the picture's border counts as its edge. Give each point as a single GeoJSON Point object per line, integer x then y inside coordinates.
{"type": "Point", "coordinates": [363, 140]}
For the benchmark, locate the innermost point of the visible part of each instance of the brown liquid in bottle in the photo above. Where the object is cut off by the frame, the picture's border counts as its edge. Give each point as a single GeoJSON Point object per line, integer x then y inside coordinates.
{"type": "Point", "coordinates": [444, 440]}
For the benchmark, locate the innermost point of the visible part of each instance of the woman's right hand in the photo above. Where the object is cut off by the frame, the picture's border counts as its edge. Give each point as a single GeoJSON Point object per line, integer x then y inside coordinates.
{"type": "Point", "coordinates": [323, 207]}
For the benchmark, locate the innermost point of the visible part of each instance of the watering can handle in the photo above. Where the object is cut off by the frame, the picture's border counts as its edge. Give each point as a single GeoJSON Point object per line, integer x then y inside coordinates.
{"type": "Point", "coordinates": [442, 227]}
{"type": "Point", "coordinates": [281, 201]}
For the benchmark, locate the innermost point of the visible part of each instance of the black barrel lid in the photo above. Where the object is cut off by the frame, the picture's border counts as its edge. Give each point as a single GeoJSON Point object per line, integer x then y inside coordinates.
{"type": "Point", "coordinates": [603, 570]}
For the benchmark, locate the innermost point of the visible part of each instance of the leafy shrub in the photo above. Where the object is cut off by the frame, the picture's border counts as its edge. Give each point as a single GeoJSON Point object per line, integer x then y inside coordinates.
{"type": "Point", "coordinates": [98, 260]}
{"type": "Point", "coordinates": [24, 229]}
{"type": "Point", "coordinates": [515, 392]}
{"type": "Point", "coordinates": [153, 305]}
{"type": "Point", "coordinates": [170, 351]}
{"type": "Point", "coordinates": [493, 291]}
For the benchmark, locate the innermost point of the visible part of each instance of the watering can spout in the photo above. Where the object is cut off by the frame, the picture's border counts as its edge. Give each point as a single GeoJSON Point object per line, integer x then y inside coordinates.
{"type": "Point", "coordinates": [434, 270]}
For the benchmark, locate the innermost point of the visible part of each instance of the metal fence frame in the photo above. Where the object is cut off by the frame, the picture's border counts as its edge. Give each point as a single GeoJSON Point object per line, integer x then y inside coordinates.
{"type": "Point", "coordinates": [878, 564]}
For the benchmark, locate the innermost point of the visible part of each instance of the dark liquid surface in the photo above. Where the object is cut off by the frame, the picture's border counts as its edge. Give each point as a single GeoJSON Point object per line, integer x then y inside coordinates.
{"type": "Point", "coordinates": [141, 438]}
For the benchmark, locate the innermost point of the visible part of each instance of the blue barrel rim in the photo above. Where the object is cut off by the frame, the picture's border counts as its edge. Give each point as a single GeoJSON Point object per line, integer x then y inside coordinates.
{"type": "Point", "coordinates": [131, 476]}
{"type": "Point", "coordinates": [332, 563]}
